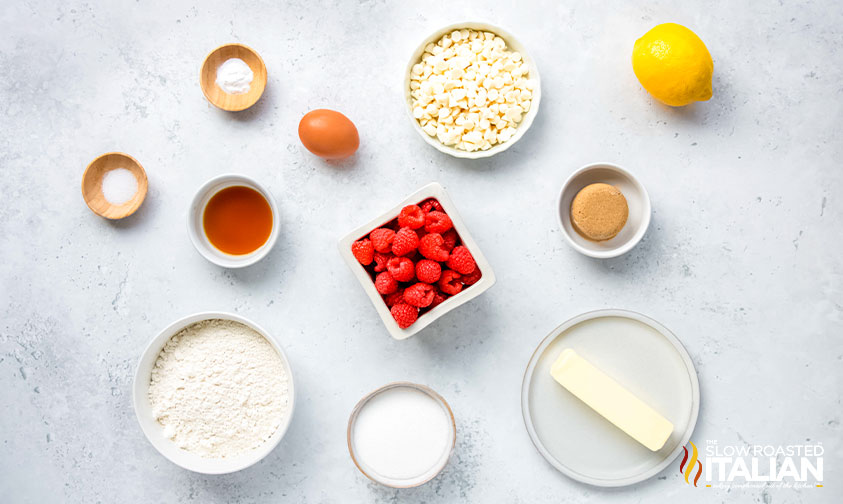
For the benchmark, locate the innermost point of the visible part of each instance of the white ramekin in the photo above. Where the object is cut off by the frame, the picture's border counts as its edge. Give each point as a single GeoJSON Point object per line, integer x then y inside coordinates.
{"type": "Point", "coordinates": [196, 229]}
{"type": "Point", "coordinates": [636, 198]}
{"type": "Point", "coordinates": [432, 190]}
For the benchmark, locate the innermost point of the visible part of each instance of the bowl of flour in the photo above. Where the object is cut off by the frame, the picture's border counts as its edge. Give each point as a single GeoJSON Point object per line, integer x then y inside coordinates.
{"type": "Point", "coordinates": [213, 393]}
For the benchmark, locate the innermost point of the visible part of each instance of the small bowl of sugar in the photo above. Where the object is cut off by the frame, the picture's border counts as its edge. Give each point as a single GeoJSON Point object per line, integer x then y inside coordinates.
{"type": "Point", "coordinates": [401, 435]}
{"type": "Point", "coordinates": [233, 77]}
{"type": "Point", "coordinates": [114, 185]}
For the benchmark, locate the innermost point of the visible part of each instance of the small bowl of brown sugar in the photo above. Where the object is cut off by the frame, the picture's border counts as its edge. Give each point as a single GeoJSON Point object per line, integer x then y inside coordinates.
{"type": "Point", "coordinates": [603, 210]}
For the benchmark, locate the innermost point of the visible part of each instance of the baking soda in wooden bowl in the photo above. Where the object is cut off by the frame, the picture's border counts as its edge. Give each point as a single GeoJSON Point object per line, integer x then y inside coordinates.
{"type": "Point", "coordinates": [401, 435]}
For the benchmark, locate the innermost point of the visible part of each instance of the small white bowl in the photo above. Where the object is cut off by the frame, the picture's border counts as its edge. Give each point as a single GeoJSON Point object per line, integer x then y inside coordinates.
{"type": "Point", "coordinates": [403, 483]}
{"type": "Point", "coordinates": [432, 190]}
{"type": "Point", "coordinates": [153, 430]}
{"type": "Point", "coordinates": [636, 197]}
{"type": "Point", "coordinates": [514, 45]}
{"type": "Point", "coordinates": [196, 229]}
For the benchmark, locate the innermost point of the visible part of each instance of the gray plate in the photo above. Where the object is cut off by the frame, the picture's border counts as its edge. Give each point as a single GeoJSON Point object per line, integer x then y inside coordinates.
{"type": "Point", "coordinates": [640, 354]}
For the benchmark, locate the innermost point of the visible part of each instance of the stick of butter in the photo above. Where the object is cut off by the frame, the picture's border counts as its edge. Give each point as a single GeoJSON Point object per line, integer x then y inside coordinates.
{"type": "Point", "coordinates": [607, 397]}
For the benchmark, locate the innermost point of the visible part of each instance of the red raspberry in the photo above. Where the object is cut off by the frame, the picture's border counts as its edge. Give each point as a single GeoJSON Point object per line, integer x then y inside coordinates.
{"type": "Point", "coordinates": [411, 216]}
{"type": "Point", "coordinates": [428, 271]}
{"type": "Point", "coordinates": [401, 269]}
{"type": "Point", "coordinates": [430, 246]}
{"type": "Point", "coordinates": [437, 222]}
{"type": "Point", "coordinates": [385, 284]}
{"type": "Point", "coordinates": [450, 283]}
{"type": "Point", "coordinates": [363, 251]}
{"type": "Point", "coordinates": [394, 298]}
{"type": "Point", "coordinates": [450, 237]}
{"type": "Point", "coordinates": [461, 261]}
{"type": "Point", "coordinates": [406, 240]}
{"type": "Point", "coordinates": [381, 260]}
{"type": "Point", "coordinates": [420, 294]}
{"type": "Point", "coordinates": [437, 299]}
{"type": "Point", "coordinates": [382, 239]}
{"type": "Point", "coordinates": [472, 277]}
{"type": "Point", "coordinates": [430, 205]}
{"type": "Point", "coordinates": [404, 314]}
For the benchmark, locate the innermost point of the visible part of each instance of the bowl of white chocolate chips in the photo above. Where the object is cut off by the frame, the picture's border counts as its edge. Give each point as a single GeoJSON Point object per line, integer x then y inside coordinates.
{"type": "Point", "coordinates": [472, 90]}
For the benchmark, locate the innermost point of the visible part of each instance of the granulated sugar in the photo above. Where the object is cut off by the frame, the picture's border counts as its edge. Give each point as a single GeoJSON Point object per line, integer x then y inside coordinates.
{"type": "Point", "coordinates": [219, 389]}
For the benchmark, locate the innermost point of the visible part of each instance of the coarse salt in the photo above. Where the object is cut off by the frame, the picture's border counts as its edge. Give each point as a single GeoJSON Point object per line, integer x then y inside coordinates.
{"type": "Point", "coordinates": [119, 186]}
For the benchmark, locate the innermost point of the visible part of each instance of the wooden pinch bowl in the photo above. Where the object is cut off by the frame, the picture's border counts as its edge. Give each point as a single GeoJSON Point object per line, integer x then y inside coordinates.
{"type": "Point", "coordinates": [92, 185]}
{"type": "Point", "coordinates": [208, 77]}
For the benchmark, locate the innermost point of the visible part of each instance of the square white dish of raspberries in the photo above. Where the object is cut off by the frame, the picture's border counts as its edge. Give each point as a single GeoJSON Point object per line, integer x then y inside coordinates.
{"type": "Point", "coordinates": [417, 261]}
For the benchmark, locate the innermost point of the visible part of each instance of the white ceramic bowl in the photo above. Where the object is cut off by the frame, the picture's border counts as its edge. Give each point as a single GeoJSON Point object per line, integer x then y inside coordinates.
{"type": "Point", "coordinates": [636, 197]}
{"type": "Point", "coordinates": [514, 45]}
{"type": "Point", "coordinates": [432, 190]}
{"type": "Point", "coordinates": [197, 232]}
{"type": "Point", "coordinates": [153, 430]}
{"type": "Point", "coordinates": [402, 483]}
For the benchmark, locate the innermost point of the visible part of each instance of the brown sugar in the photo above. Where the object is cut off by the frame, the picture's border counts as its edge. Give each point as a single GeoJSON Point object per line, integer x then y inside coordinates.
{"type": "Point", "coordinates": [599, 212]}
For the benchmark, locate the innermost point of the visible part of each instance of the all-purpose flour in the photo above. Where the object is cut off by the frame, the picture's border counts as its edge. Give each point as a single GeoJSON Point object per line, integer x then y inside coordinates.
{"type": "Point", "coordinates": [219, 389]}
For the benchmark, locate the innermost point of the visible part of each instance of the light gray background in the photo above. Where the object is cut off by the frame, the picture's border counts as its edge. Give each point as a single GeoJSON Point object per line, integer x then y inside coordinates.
{"type": "Point", "coordinates": [742, 260]}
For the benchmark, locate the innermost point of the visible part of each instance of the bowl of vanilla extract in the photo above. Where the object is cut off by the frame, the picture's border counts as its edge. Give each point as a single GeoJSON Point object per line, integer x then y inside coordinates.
{"type": "Point", "coordinates": [233, 221]}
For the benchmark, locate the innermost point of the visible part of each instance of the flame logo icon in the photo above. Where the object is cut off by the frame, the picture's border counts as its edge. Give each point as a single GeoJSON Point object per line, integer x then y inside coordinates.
{"type": "Point", "coordinates": [689, 468]}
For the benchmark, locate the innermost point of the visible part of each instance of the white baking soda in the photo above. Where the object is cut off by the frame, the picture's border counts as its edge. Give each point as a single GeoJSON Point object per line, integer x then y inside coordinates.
{"type": "Point", "coordinates": [402, 433]}
{"type": "Point", "coordinates": [234, 76]}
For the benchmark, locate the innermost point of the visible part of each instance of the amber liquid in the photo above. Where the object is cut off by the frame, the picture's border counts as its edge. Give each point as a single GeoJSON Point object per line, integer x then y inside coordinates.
{"type": "Point", "coordinates": [237, 220]}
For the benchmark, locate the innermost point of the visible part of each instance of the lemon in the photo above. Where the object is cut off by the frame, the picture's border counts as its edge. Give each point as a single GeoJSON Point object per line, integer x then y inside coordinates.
{"type": "Point", "coordinates": [673, 65]}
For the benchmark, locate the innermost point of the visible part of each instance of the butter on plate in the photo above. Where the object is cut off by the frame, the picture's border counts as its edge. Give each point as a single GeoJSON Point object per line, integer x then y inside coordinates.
{"type": "Point", "coordinates": [607, 397]}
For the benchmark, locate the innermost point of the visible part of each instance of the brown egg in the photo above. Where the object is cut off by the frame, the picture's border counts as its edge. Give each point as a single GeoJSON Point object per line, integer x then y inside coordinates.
{"type": "Point", "coordinates": [328, 134]}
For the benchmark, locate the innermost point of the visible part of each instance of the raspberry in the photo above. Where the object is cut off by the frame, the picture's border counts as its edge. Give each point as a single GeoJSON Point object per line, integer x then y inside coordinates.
{"type": "Point", "coordinates": [437, 299]}
{"type": "Point", "coordinates": [420, 294]}
{"type": "Point", "coordinates": [450, 237]}
{"type": "Point", "coordinates": [401, 269]}
{"type": "Point", "coordinates": [428, 271]}
{"type": "Point", "coordinates": [472, 277]}
{"type": "Point", "coordinates": [437, 222]}
{"type": "Point", "coordinates": [404, 314]}
{"type": "Point", "coordinates": [385, 284]}
{"type": "Point", "coordinates": [430, 205]}
{"type": "Point", "coordinates": [411, 216]}
{"type": "Point", "coordinates": [382, 239]}
{"type": "Point", "coordinates": [430, 246]}
{"type": "Point", "coordinates": [450, 283]}
{"type": "Point", "coordinates": [381, 260]}
{"type": "Point", "coordinates": [461, 261]}
{"type": "Point", "coordinates": [406, 240]}
{"type": "Point", "coordinates": [394, 298]}
{"type": "Point", "coordinates": [363, 251]}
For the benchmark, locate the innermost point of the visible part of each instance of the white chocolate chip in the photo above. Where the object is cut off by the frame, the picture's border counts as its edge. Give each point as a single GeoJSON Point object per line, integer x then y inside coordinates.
{"type": "Point", "coordinates": [469, 90]}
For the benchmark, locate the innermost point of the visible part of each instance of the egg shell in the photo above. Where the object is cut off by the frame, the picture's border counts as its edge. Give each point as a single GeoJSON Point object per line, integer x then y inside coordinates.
{"type": "Point", "coordinates": [328, 134]}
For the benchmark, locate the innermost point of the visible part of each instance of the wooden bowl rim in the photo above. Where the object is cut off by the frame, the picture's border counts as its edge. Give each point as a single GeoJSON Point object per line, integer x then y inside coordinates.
{"type": "Point", "coordinates": [141, 186]}
{"type": "Point", "coordinates": [263, 83]}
